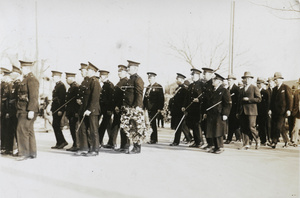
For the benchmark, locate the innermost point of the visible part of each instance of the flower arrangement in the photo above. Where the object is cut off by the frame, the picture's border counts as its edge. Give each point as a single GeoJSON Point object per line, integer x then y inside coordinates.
{"type": "Point", "coordinates": [135, 124]}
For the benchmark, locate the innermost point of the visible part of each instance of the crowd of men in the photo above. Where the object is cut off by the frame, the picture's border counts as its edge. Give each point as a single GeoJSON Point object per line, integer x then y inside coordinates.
{"type": "Point", "coordinates": [211, 106]}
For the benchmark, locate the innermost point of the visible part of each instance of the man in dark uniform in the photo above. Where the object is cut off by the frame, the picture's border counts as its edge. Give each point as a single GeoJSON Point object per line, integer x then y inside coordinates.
{"type": "Point", "coordinates": [219, 108]}
{"type": "Point", "coordinates": [27, 109]}
{"type": "Point", "coordinates": [12, 106]}
{"type": "Point", "coordinates": [153, 102]}
{"type": "Point", "coordinates": [176, 104]}
{"type": "Point", "coordinates": [58, 109]}
{"type": "Point", "coordinates": [193, 105]}
{"type": "Point", "coordinates": [207, 89]}
{"type": "Point", "coordinates": [247, 111]}
{"type": "Point", "coordinates": [72, 107]}
{"type": "Point", "coordinates": [83, 133]}
{"type": "Point", "coordinates": [106, 105]}
{"type": "Point", "coordinates": [233, 122]}
{"type": "Point", "coordinates": [281, 107]}
{"type": "Point", "coordinates": [5, 121]}
{"type": "Point", "coordinates": [133, 95]}
{"type": "Point", "coordinates": [117, 101]}
{"type": "Point", "coordinates": [93, 109]}
{"type": "Point", "coordinates": [271, 85]}
{"type": "Point", "coordinates": [262, 108]}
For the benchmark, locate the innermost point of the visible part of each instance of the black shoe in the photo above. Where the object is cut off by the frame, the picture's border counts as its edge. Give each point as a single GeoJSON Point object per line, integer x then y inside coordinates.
{"type": "Point", "coordinates": [227, 142]}
{"type": "Point", "coordinates": [108, 146]}
{"type": "Point", "coordinates": [195, 145]}
{"type": "Point", "coordinates": [91, 154]}
{"type": "Point", "coordinates": [32, 156]}
{"type": "Point", "coordinates": [62, 145]}
{"type": "Point", "coordinates": [151, 142]}
{"type": "Point", "coordinates": [218, 151]}
{"type": "Point", "coordinates": [54, 147]}
{"type": "Point", "coordinates": [174, 144]}
{"type": "Point", "coordinates": [7, 153]}
{"type": "Point", "coordinates": [72, 149]}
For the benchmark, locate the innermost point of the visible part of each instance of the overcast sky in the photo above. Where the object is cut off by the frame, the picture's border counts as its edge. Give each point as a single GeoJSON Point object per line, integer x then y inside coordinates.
{"type": "Point", "coordinates": [108, 32]}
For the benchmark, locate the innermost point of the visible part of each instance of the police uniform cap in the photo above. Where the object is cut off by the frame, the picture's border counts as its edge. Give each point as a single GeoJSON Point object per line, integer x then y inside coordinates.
{"type": "Point", "coordinates": [25, 63]}
{"type": "Point", "coordinates": [270, 79]}
{"type": "Point", "coordinates": [6, 72]}
{"type": "Point", "coordinates": [93, 67]}
{"type": "Point", "coordinates": [231, 76]}
{"type": "Point", "coordinates": [103, 72]}
{"type": "Point", "coordinates": [68, 74]}
{"type": "Point", "coordinates": [83, 66]}
{"type": "Point", "coordinates": [194, 70]}
{"type": "Point", "coordinates": [3, 69]}
{"type": "Point", "coordinates": [218, 76]}
{"type": "Point", "coordinates": [16, 69]}
{"type": "Point", "coordinates": [122, 68]}
{"type": "Point", "coordinates": [132, 63]}
{"type": "Point", "coordinates": [150, 74]}
{"type": "Point", "coordinates": [179, 75]}
{"type": "Point", "coordinates": [56, 73]}
{"type": "Point", "coordinates": [247, 74]}
{"type": "Point", "coordinates": [207, 69]}
{"type": "Point", "coordinates": [278, 75]}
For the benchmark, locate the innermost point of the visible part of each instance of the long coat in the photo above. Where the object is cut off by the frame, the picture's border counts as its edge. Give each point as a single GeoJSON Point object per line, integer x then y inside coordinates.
{"type": "Point", "coordinates": [72, 106]}
{"type": "Point", "coordinates": [119, 93]}
{"type": "Point", "coordinates": [175, 105]}
{"type": "Point", "coordinates": [58, 96]}
{"type": "Point", "coordinates": [233, 121]}
{"type": "Point", "coordinates": [106, 97]}
{"type": "Point", "coordinates": [281, 100]}
{"type": "Point", "coordinates": [216, 126]}
{"type": "Point", "coordinates": [296, 104]}
{"type": "Point", "coordinates": [249, 107]}
{"type": "Point", "coordinates": [93, 104]}
{"type": "Point", "coordinates": [134, 93]}
{"type": "Point", "coordinates": [264, 105]}
{"type": "Point", "coordinates": [83, 94]}
{"type": "Point", "coordinates": [154, 98]}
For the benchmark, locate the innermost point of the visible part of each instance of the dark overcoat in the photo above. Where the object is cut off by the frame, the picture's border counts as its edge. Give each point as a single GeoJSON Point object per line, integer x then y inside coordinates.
{"type": "Point", "coordinates": [58, 96]}
{"type": "Point", "coordinates": [134, 93]}
{"type": "Point", "coordinates": [154, 98]}
{"type": "Point", "coordinates": [72, 106]}
{"type": "Point", "coordinates": [281, 100]}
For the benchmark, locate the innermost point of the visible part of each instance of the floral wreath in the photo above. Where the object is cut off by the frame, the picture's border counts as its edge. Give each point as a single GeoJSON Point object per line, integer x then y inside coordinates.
{"type": "Point", "coordinates": [135, 124]}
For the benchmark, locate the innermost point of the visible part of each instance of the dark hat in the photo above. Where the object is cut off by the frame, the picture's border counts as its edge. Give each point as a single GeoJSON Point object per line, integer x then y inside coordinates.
{"type": "Point", "coordinates": [3, 69]}
{"type": "Point", "coordinates": [231, 76]}
{"type": "Point", "coordinates": [70, 74]}
{"type": "Point", "coordinates": [132, 63]}
{"type": "Point", "coordinates": [194, 70]}
{"type": "Point", "coordinates": [218, 76]}
{"type": "Point", "coordinates": [16, 69]}
{"type": "Point", "coordinates": [180, 76]}
{"type": "Point", "coordinates": [6, 72]}
{"type": "Point", "coordinates": [150, 74]}
{"type": "Point", "coordinates": [260, 80]}
{"type": "Point", "coordinates": [247, 74]}
{"type": "Point", "coordinates": [103, 72]}
{"type": "Point", "coordinates": [93, 67]}
{"type": "Point", "coordinates": [56, 73]}
{"type": "Point", "coordinates": [25, 63]}
{"type": "Point", "coordinates": [207, 69]}
{"type": "Point", "coordinates": [278, 75]}
{"type": "Point", "coordinates": [122, 68]}
{"type": "Point", "coordinates": [83, 66]}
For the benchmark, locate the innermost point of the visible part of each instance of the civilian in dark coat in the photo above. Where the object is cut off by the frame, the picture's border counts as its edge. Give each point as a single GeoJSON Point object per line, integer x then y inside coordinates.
{"type": "Point", "coordinates": [281, 107]}
{"type": "Point", "coordinates": [154, 102]}
{"type": "Point", "coordinates": [262, 108]}
{"type": "Point", "coordinates": [106, 105]}
{"type": "Point", "coordinates": [296, 115]}
{"type": "Point", "coordinates": [57, 108]}
{"type": "Point", "coordinates": [176, 104]}
{"type": "Point", "coordinates": [28, 107]}
{"type": "Point", "coordinates": [72, 108]}
{"type": "Point", "coordinates": [247, 113]}
{"type": "Point", "coordinates": [218, 114]}
{"type": "Point", "coordinates": [233, 122]}
{"type": "Point", "coordinates": [133, 95]}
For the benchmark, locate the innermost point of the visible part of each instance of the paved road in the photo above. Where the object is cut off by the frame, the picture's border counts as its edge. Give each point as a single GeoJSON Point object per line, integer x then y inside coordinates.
{"type": "Point", "coordinates": [159, 171]}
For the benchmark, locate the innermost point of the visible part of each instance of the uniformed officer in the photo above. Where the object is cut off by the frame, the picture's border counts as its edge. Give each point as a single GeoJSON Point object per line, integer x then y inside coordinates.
{"type": "Point", "coordinates": [219, 108]}
{"type": "Point", "coordinates": [58, 109]}
{"type": "Point", "coordinates": [193, 104]}
{"type": "Point", "coordinates": [72, 107]}
{"type": "Point", "coordinates": [117, 101]}
{"type": "Point", "coordinates": [27, 109]}
{"type": "Point", "coordinates": [106, 105]}
{"type": "Point", "coordinates": [153, 102]}
{"type": "Point", "coordinates": [133, 96]}
{"type": "Point", "coordinates": [13, 120]}
{"type": "Point", "coordinates": [93, 109]}
{"type": "Point", "coordinates": [5, 97]}
{"type": "Point", "coordinates": [83, 134]}
{"type": "Point", "coordinates": [176, 104]}
{"type": "Point", "coordinates": [208, 89]}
